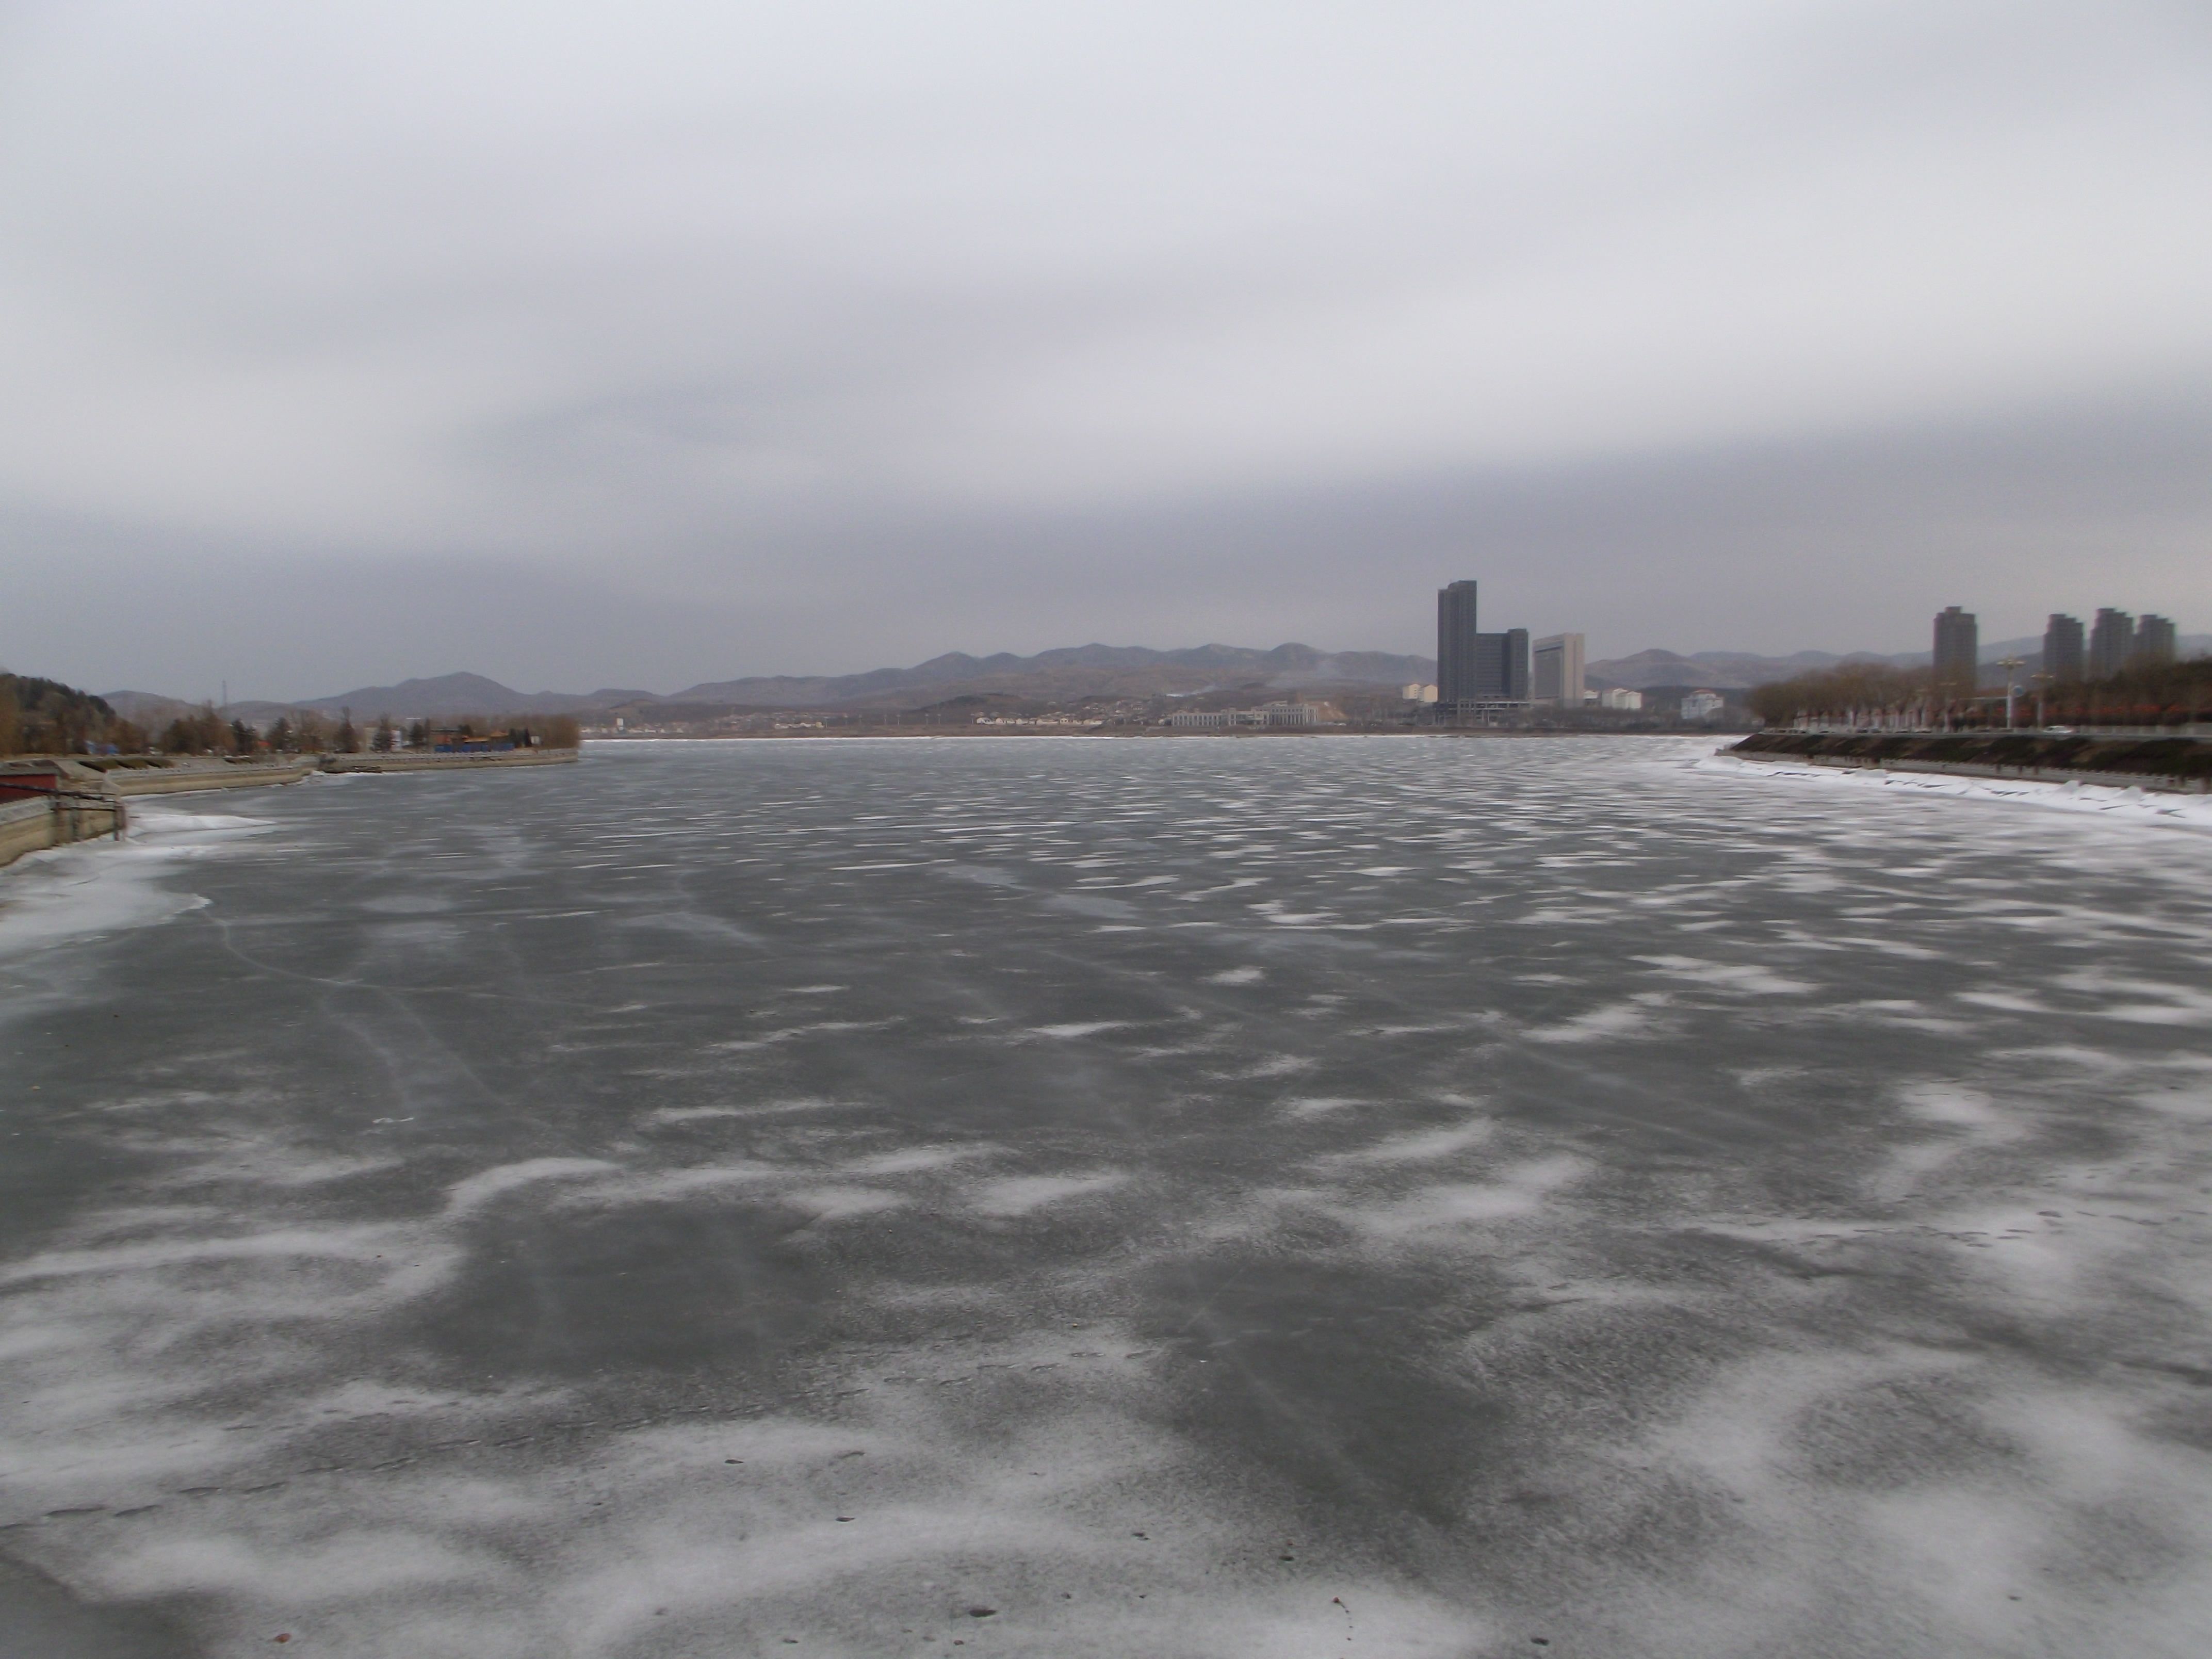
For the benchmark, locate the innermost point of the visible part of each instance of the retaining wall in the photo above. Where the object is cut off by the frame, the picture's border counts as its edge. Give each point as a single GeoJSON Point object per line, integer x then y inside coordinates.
{"type": "Point", "coordinates": [221, 774]}
{"type": "Point", "coordinates": [32, 826]}
{"type": "Point", "coordinates": [404, 760]}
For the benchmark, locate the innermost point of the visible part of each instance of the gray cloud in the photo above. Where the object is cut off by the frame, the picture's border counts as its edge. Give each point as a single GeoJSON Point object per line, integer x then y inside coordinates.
{"type": "Point", "coordinates": [683, 343]}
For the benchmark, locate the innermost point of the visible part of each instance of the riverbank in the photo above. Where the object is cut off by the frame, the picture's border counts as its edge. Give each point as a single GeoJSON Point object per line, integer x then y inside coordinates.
{"type": "Point", "coordinates": [1242, 734]}
{"type": "Point", "coordinates": [404, 760]}
{"type": "Point", "coordinates": [80, 798]}
{"type": "Point", "coordinates": [35, 825]}
{"type": "Point", "coordinates": [193, 776]}
{"type": "Point", "coordinates": [2181, 765]}
{"type": "Point", "coordinates": [2113, 803]}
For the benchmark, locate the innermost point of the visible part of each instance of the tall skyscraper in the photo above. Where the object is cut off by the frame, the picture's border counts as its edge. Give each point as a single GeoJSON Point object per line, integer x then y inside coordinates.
{"type": "Point", "coordinates": [1473, 666]}
{"type": "Point", "coordinates": [2062, 658]}
{"type": "Point", "coordinates": [1455, 644]}
{"type": "Point", "coordinates": [2111, 637]}
{"type": "Point", "coordinates": [1958, 652]}
{"type": "Point", "coordinates": [1501, 667]}
{"type": "Point", "coordinates": [2154, 644]}
{"type": "Point", "coordinates": [1556, 671]}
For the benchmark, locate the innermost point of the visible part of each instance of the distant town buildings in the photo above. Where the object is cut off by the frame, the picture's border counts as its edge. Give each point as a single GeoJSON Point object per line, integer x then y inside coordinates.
{"type": "Point", "coordinates": [1619, 697]}
{"type": "Point", "coordinates": [1556, 674]}
{"type": "Point", "coordinates": [2063, 657]}
{"type": "Point", "coordinates": [2115, 642]}
{"type": "Point", "coordinates": [1707, 705]}
{"type": "Point", "coordinates": [1958, 651]}
{"type": "Point", "coordinates": [1418, 693]}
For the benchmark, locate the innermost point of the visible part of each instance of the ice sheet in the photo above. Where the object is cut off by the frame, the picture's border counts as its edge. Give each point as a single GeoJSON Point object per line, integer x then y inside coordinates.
{"type": "Point", "coordinates": [759, 1198]}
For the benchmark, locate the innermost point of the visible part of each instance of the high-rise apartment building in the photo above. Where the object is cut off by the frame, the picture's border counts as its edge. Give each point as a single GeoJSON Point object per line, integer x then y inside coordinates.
{"type": "Point", "coordinates": [1501, 667]}
{"type": "Point", "coordinates": [1473, 666]}
{"type": "Point", "coordinates": [1556, 670]}
{"type": "Point", "coordinates": [1455, 644]}
{"type": "Point", "coordinates": [2062, 658]}
{"type": "Point", "coordinates": [1958, 651]}
{"type": "Point", "coordinates": [2154, 644]}
{"type": "Point", "coordinates": [2112, 638]}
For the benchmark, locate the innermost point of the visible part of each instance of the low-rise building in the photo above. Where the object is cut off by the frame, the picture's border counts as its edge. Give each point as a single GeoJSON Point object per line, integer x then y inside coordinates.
{"type": "Point", "coordinates": [1295, 714]}
{"type": "Point", "coordinates": [1619, 697]}
{"type": "Point", "coordinates": [1703, 706]}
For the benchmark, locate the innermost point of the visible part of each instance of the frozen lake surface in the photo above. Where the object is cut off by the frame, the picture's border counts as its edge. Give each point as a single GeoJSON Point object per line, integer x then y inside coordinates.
{"type": "Point", "coordinates": [1116, 1197]}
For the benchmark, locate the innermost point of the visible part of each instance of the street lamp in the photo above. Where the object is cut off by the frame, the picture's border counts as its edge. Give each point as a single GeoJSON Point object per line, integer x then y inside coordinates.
{"type": "Point", "coordinates": [2010, 664]}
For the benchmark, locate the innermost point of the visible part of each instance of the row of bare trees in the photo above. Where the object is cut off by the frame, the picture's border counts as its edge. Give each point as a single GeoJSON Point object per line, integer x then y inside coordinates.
{"type": "Point", "coordinates": [301, 732]}
{"type": "Point", "coordinates": [305, 732]}
{"type": "Point", "coordinates": [45, 717]}
{"type": "Point", "coordinates": [2167, 694]}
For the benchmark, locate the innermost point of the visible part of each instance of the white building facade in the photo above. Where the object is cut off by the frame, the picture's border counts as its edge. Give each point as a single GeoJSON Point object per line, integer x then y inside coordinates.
{"type": "Point", "coordinates": [1556, 671]}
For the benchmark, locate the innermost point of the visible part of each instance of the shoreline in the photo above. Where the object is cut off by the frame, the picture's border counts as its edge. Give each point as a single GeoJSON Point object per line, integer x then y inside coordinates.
{"type": "Point", "coordinates": [401, 760]}
{"type": "Point", "coordinates": [2131, 802]}
{"type": "Point", "coordinates": [1139, 732]}
{"type": "Point", "coordinates": [88, 798]}
{"type": "Point", "coordinates": [2179, 765]}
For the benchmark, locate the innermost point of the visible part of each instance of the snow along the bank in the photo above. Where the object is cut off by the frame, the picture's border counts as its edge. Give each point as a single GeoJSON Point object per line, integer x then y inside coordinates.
{"type": "Point", "coordinates": [2113, 804]}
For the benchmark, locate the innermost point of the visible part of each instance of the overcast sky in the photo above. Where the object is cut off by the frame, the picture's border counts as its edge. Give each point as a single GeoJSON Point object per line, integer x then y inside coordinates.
{"type": "Point", "coordinates": [641, 344]}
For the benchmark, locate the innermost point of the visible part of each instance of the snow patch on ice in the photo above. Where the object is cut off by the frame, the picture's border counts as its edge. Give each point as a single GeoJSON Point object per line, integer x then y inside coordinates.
{"type": "Point", "coordinates": [1014, 1195]}
{"type": "Point", "coordinates": [1600, 1024]}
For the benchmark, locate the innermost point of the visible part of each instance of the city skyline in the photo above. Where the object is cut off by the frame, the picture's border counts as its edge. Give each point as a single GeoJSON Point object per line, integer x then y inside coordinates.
{"type": "Point", "coordinates": [2172, 642]}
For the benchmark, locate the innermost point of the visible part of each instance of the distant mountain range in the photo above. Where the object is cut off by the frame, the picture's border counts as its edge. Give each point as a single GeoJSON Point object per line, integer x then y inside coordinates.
{"type": "Point", "coordinates": [1088, 670]}
{"type": "Point", "coordinates": [449, 697]}
{"type": "Point", "coordinates": [1084, 670]}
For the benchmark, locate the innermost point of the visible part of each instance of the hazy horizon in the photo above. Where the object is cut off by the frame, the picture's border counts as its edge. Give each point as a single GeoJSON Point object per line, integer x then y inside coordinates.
{"type": "Point", "coordinates": [241, 697]}
{"type": "Point", "coordinates": [684, 345]}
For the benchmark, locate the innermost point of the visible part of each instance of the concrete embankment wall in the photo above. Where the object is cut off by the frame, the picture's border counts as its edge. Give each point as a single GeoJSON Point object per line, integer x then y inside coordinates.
{"type": "Point", "coordinates": [26, 826]}
{"type": "Point", "coordinates": [180, 779]}
{"type": "Point", "coordinates": [92, 804]}
{"type": "Point", "coordinates": [404, 761]}
{"type": "Point", "coordinates": [32, 826]}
